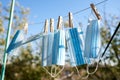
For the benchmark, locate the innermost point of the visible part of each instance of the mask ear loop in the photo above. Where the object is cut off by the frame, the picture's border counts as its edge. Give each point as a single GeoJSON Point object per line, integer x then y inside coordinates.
{"type": "Point", "coordinates": [53, 75]}
{"type": "Point", "coordinates": [80, 75]}
{"type": "Point", "coordinates": [77, 71]}
{"type": "Point", "coordinates": [85, 77]}
{"type": "Point", "coordinates": [90, 73]}
{"type": "Point", "coordinates": [52, 68]}
{"type": "Point", "coordinates": [91, 15]}
{"type": "Point", "coordinates": [97, 65]}
{"type": "Point", "coordinates": [96, 68]}
{"type": "Point", "coordinates": [59, 71]}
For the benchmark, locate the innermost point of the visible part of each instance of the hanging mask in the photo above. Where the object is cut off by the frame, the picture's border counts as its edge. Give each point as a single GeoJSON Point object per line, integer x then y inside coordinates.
{"type": "Point", "coordinates": [75, 45]}
{"type": "Point", "coordinates": [92, 40]}
{"type": "Point", "coordinates": [53, 49]}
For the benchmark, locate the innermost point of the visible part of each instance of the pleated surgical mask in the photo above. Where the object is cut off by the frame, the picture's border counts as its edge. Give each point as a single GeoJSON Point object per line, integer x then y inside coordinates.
{"type": "Point", "coordinates": [75, 45]}
{"type": "Point", "coordinates": [53, 49]}
{"type": "Point", "coordinates": [92, 40]}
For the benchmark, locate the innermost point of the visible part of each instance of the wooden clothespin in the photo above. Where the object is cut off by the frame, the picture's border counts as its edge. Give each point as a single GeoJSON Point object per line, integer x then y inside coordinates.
{"type": "Point", "coordinates": [51, 25]}
{"type": "Point", "coordinates": [60, 21]}
{"type": "Point", "coordinates": [70, 20]}
{"type": "Point", "coordinates": [46, 26]}
{"type": "Point", "coordinates": [96, 11]}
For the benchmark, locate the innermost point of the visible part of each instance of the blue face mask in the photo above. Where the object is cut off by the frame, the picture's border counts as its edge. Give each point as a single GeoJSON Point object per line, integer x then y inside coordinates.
{"type": "Point", "coordinates": [92, 40]}
{"type": "Point", "coordinates": [75, 45]}
{"type": "Point", "coordinates": [53, 49]}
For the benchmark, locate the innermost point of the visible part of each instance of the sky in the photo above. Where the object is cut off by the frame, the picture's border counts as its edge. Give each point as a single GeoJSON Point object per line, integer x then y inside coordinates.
{"type": "Point", "coordinates": [40, 10]}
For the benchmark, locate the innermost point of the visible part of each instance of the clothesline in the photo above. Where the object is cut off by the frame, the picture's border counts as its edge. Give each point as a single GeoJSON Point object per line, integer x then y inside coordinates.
{"type": "Point", "coordinates": [73, 13]}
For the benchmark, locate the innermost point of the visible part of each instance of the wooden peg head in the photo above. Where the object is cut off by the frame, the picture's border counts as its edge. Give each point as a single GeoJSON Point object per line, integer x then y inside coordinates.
{"type": "Point", "coordinates": [70, 20]}
{"type": "Point", "coordinates": [51, 25]}
{"type": "Point", "coordinates": [95, 11]}
{"type": "Point", "coordinates": [46, 26]}
{"type": "Point", "coordinates": [60, 22]}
